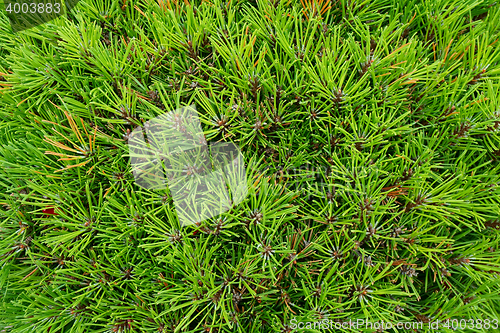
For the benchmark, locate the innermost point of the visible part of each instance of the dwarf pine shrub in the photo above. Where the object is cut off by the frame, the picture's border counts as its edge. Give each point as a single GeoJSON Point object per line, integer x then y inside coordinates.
{"type": "Point", "coordinates": [370, 133]}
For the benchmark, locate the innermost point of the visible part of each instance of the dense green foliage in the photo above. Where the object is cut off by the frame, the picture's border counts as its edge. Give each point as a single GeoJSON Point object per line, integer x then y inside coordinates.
{"type": "Point", "coordinates": [371, 136]}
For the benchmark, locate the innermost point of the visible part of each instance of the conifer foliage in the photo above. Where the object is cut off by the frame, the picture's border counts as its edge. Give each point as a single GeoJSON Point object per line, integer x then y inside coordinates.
{"type": "Point", "coordinates": [370, 131]}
